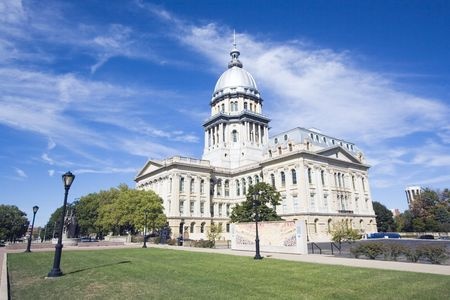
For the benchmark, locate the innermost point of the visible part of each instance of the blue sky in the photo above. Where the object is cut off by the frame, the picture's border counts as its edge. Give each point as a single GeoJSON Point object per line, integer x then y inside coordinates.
{"type": "Point", "coordinates": [98, 87]}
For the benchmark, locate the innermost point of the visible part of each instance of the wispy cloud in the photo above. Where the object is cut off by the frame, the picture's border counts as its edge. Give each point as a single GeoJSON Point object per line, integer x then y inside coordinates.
{"type": "Point", "coordinates": [21, 173]}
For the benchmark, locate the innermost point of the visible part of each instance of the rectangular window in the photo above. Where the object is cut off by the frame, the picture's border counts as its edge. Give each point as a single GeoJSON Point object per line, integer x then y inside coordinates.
{"type": "Point", "coordinates": [284, 205]}
{"type": "Point", "coordinates": [191, 207]}
{"type": "Point", "coordinates": [220, 209]}
{"type": "Point", "coordinates": [202, 207]}
{"type": "Point", "coordinates": [296, 204]}
{"type": "Point", "coordinates": [181, 207]}
{"type": "Point", "coordinates": [228, 210]}
{"type": "Point", "coordinates": [202, 187]}
{"type": "Point", "coordinates": [182, 184]}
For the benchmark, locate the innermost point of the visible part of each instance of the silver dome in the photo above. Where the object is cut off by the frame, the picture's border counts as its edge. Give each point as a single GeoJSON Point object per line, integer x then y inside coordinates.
{"type": "Point", "coordinates": [235, 79]}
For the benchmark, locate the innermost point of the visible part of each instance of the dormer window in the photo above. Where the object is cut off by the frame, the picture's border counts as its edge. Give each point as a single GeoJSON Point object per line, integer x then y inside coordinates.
{"type": "Point", "coordinates": [275, 141]}
{"type": "Point", "coordinates": [285, 137]}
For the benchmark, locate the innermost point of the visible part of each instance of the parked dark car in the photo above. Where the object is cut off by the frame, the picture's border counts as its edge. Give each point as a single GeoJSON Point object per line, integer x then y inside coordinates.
{"type": "Point", "coordinates": [426, 237]}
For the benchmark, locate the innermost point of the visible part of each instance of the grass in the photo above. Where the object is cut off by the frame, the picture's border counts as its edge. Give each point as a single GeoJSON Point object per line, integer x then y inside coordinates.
{"type": "Point", "coordinates": [168, 274]}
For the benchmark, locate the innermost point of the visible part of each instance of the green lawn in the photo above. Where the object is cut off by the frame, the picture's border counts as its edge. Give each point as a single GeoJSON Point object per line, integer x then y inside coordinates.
{"type": "Point", "coordinates": [168, 274]}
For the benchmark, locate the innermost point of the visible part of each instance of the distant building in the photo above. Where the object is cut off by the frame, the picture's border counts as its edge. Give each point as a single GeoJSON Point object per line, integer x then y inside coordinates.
{"type": "Point", "coordinates": [395, 212]}
{"type": "Point", "coordinates": [322, 179]}
{"type": "Point", "coordinates": [411, 193]}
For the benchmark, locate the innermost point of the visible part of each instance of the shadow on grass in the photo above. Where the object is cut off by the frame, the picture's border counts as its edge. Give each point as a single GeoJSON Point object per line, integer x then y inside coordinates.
{"type": "Point", "coordinates": [99, 266]}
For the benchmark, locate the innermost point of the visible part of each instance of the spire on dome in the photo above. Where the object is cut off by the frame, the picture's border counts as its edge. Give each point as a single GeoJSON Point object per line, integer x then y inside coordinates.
{"type": "Point", "coordinates": [234, 53]}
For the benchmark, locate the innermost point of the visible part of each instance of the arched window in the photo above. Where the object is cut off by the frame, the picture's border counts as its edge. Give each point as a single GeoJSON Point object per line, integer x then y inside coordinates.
{"type": "Point", "coordinates": [234, 135]}
{"type": "Point", "coordinates": [250, 181]}
{"type": "Point", "coordinates": [343, 181]}
{"type": "Point", "coordinates": [309, 176]}
{"type": "Point", "coordinates": [227, 188]}
{"type": "Point", "coordinates": [238, 188]}
{"type": "Point", "coordinates": [285, 137]}
{"type": "Point", "coordinates": [192, 227]}
{"type": "Point", "coordinates": [316, 221]}
{"type": "Point", "coordinates": [223, 107]}
{"type": "Point", "coordinates": [181, 184]}
{"type": "Point", "coordinates": [244, 187]}
{"type": "Point", "coordinates": [294, 176]}
{"type": "Point", "coordinates": [353, 182]}
{"type": "Point", "coordinates": [279, 150]}
{"type": "Point", "coordinates": [312, 136]}
{"type": "Point", "coordinates": [270, 153]}
{"type": "Point", "coordinates": [275, 141]}
{"type": "Point", "coordinates": [219, 187]}
{"type": "Point", "coordinates": [322, 176]}
{"type": "Point", "coordinates": [272, 179]}
{"type": "Point", "coordinates": [170, 185]}
{"type": "Point", "coordinates": [228, 227]}
{"type": "Point", "coordinates": [283, 179]}
{"type": "Point", "coordinates": [290, 147]}
{"type": "Point", "coordinates": [339, 179]}
{"type": "Point", "coordinates": [329, 225]}
{"type": "Point", "coordinates": [245, 105]}
{"type": "Point", "coordinates": [202, 227]}
{"type": "Point", "coordinates": [256, 179]}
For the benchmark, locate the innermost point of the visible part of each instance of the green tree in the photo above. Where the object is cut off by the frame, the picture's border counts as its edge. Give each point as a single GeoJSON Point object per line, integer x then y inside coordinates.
{"type": "Point", "coordinates": [126, 213]}
{"type": "Point", "coordinates": [53, 224]}
{"type": "Point", "coordinates": [269, 198]}
{"type": "Point", "coordinates": [13, 223]}
{"type": "Point", "coordinates": [431, 211]}
{"type": "Point", "coordinates": [87, 210]}
{"type": "Point", "coordinates": [384, 217]}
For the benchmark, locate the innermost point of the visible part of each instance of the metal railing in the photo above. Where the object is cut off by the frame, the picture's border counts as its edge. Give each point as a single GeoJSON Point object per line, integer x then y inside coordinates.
{"type": "Point", "coordinates": [317, 246]}
{"type": "Point", "coordinates": [333, 245]}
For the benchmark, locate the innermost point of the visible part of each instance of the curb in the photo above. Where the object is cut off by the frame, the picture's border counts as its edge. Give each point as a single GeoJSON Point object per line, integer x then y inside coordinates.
{"type": "Point", "coordinates": [4, 280]}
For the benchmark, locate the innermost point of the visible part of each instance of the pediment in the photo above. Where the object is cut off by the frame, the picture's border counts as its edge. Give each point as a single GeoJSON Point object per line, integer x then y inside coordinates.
{"type": "Point", "coordinates": [149, 167]}
{"type": "Point", "coordinates": [339, 153]}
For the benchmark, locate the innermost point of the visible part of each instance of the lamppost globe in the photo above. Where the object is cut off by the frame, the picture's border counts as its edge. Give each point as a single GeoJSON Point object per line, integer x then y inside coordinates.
{"type": "Point", "coordinates": [68, 179]}
{"type": "Point", "coordinates": [35, 210]}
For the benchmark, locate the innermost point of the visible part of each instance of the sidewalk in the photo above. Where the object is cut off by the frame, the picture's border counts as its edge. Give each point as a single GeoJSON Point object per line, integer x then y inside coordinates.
{"type": "Point", "coordinates": [311, 258]}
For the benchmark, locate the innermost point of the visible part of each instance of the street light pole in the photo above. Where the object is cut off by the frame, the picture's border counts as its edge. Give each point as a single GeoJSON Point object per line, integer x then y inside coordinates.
{"type": "Point", "coordinates": [145, 230]}
{"type": "Point", "coordinates": [56, 271]}
{"type": "Point", "coordinates": [256, 204]}
{"type": "Point", "coordinates": [35, 210]}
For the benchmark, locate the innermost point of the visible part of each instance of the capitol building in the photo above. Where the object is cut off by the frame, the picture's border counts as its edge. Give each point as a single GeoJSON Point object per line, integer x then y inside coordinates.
{"type": "Point", "coordinates": [321, 179]}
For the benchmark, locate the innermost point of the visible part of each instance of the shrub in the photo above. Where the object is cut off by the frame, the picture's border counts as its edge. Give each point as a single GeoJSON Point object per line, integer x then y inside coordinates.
{"type": "Point", "coordinates": [203, 244]}
{"type": "Point", "coordinates": [392, 251]}
{"type": "Point", "coordinates": [372, 249]}
{"type": "Point", "coordinates": [172, 242]}
{"type": "Point", "coordinates": [357, 251]}
{"type": "Point", "coordinates": [412, 254]}
{"type": "Point", "coordinates": [436, 254]}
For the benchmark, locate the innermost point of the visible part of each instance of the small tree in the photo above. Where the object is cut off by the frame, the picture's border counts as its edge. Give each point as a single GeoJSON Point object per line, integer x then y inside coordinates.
{"type": "Point", "coordinates": [269, 198]}
{"type": "Point", "coordinates": [214, 232]}
{"type": "Point", "coordinates": [340, 232]}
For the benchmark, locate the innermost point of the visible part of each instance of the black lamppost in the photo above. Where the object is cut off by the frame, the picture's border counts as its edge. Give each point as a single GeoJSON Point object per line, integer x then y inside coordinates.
{"type": "Point", "coordinates": [256, 204]}
{"type": "Point", "coordinates": [35, 210]}
{"type": "Point", "coordinates": [145, 229]}
{"type": "Point", "coordinates": [56, 271]}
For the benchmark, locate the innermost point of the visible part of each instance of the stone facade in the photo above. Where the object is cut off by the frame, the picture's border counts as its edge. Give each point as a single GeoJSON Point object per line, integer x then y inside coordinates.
{"type": "Point", "coordinates": [321, 179]}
